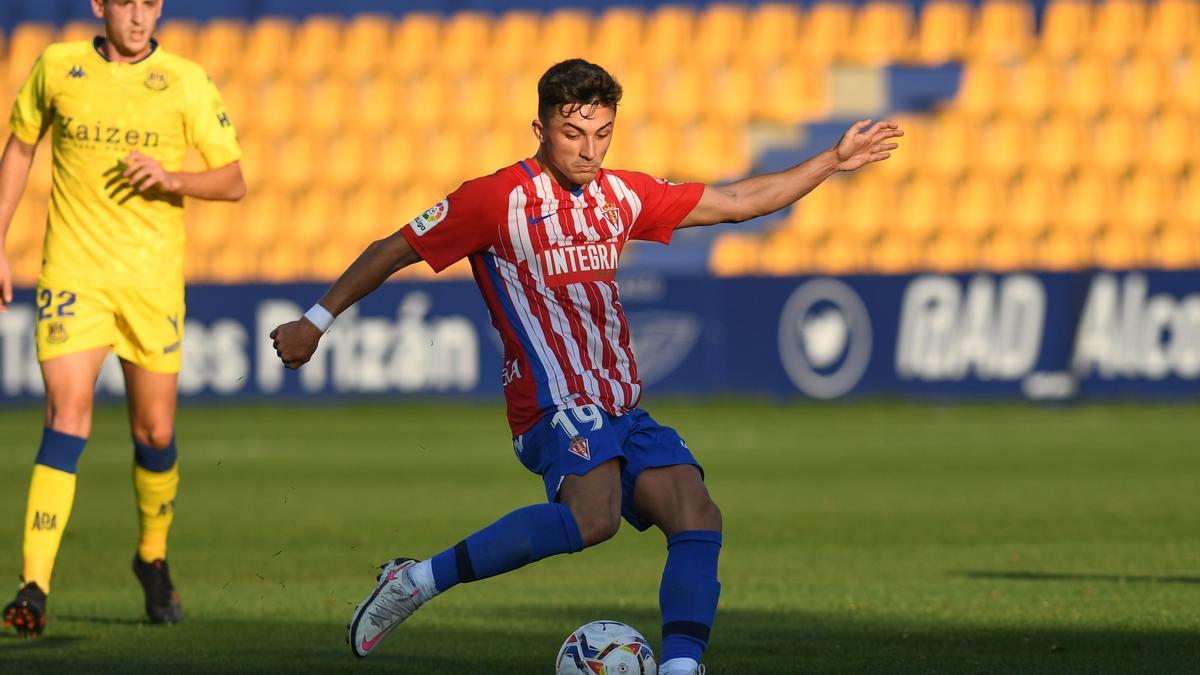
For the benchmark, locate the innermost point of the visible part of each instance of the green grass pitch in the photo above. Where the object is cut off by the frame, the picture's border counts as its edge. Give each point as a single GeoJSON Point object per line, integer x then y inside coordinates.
{"type": "Point", "coordinates": [867, 538]}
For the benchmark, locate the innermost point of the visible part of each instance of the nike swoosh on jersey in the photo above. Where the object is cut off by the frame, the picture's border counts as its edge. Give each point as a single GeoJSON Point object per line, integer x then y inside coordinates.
{"type": "Point", "coordinates": [535, 221]}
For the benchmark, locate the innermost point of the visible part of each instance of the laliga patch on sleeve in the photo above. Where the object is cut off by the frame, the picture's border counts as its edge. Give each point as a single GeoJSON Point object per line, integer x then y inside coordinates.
{"type": "Point", "coordinates": [429, 220]}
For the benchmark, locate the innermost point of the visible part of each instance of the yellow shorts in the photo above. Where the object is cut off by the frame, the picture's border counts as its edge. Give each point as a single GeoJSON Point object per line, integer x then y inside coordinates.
{"type": "Point", "coordinates": [144, 327]}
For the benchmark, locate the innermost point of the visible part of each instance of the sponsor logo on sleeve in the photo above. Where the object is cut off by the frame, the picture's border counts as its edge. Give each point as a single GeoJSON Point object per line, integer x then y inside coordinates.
{"type": "Point", "coordinates": [430, 219]}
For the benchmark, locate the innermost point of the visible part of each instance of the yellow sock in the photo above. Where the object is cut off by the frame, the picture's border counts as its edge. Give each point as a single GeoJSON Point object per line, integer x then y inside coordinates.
{"type": "Point", "coordinates": [156, 509]}
{"type": "Point", "coordinates": [51, 494]}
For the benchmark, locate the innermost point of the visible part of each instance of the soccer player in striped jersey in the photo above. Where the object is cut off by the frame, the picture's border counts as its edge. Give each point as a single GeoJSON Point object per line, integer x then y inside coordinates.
{"type": "Point", "coordinates": [121, 113]}
{"type": "Point", "coordinates": [544, 237]}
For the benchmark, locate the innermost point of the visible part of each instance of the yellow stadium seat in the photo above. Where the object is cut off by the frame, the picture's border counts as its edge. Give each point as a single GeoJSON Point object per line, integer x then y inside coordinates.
{"type": "Point", "coordinates": [895, 253]}
{"type": "Point", "coordinates": [1087, 204]}
{"type": "Point", "coordinates": [519, 93]}
{"type": "Point", "coordinates": [318, 46]}
{"type": "Point", "coordinates": [1173, 26]}
{"type": "Point", "coordinates": [730, 93]}
{"type": "Point", "coordinates": [344, 165]}
{"type": "Point", "coordinates": [316, 218]}
{"type": "Point", "coordinates": [25, 45]}
{"type": "Point", "coordinates": [1171, 139]}
{"type": "Point", "coordinates": [1062, 250]}
{"type": "Point", "coordinates": [1007, 147]}
{"type": "Point", "coordinates": [783, 254]}
{"type": "Point", "coordinates": [469, 106]}
{"type": "Point", "coordinates": [1118, 26]}
{"type": "Point", "coordinates": [772, 33]}
{"type": "Point", "coordinates": [974, 205]}
{"type": "Point", "coordinates": [443, 151]}
{"type": "Point", "coordinates": [868, 203]}
{"type": "Point", "coordinates": [818, 212]}
{"type": "Point", "coordinates": [78, 31]}
{"type": "Point", "coordinates": [921, 206]}
{"type": "Point", "coordinates": [668, 38]}
{"type": "Point", "coordinates": [952, 146]}
{"type": "Point", "coordinates": [1117, 139]}
{"type": "Point", "coordinates": [261, 220]}
{"type": "Point", "coordinates": [734, 254]}
{"type": "Point", "coordinates": [1175, 248]}
{"type": "Point", "coordinates": [326, 107]}
{"type": "Point", "coordinates": [1143, 82]}
{"type": "Point", "coordinates": [464, 34]}
{"type": "Point", "coordinates": [513, 38]}
{"type": "Point", "coordinates": [1144, 201]}
{"type": "Point", "coordinates": [795, 92]}
{"type": "Point", "coordinates": [1087, 85]}
{"type": "Point", "coordinates": [1117, 249]}
{"type": "Point", "coordinates": [648, 147]}
{"type": "Point", "coordinates": [565, 35]}
{"type": "Point", "coordinates": [950, 252]}
{"type": "Point", "coordinates": [416, 41]}
{"type": "Point", "coordinates": [197, 268]}
{"type": "Point", "coordinates": [1032, 87]}
{"type": "Point", "coordinates": [1006, 252]}
{"type": "Point", "coordinates": [710, 152]}
{"type": "Point", "coordinates": [294, 165]}
{"type": "Point", "coordinates": [1186, 211]}
{"type": "Point", "coordinates": [502, 147]}
{"type": "Point", "coordinates": [678, 94]}
{"type": "Point", "coordinates": [257, 160]}
{"type": "Point", "coordinates": [983, 88]}
{"type": "Point", "coordinates": [219, 47]}
{"type": "Point", "coordinates": [377, 106]}
{"type": "Point", "coordinates": [268, 46]}
{"type": "Point", "coordinates": [882, 32]}
{"type": "Point", "coordinates": [284, 100]}
{"type": "Point", "coordinates": [1059, 141]}
{"type": "Point", "coordinates": [945, 27]}
{"type": "Point", "coordinates": [617, 28]}
{"type": "Point", "coordinates": [827, 33]}
{"type": "Point", "coordinates": [1033, 202]}
{"type": "Point", "coordinates": [366, 42]}
{"type": "Point", "coordinates": [1187, 84]}
{"type": "Point", "coordinates": [840, 255]}
{"type": "Point", "coordinates": [1004, 29]}
{"type": "Point", "coordinates": [232, 265]}
{"type": "Point", "coordinates": [721, 33]}
{"type": "Point", "coordinates": [205, 224]}
{"type": "Point", "coordinates": [433, 92]}
{"type": "Point", "coordinates": [1066, 28]}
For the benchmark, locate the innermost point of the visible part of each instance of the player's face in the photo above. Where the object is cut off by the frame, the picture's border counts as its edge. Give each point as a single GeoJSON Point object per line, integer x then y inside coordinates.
{"type": "Point", "coordinates": [574, 145]}
{"type": "Point", "coordinates": [128, 24]}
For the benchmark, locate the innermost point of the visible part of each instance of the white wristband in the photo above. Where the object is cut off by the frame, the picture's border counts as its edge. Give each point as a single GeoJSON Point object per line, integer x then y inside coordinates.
{"type": "Point", "coordinates": [320, 317]}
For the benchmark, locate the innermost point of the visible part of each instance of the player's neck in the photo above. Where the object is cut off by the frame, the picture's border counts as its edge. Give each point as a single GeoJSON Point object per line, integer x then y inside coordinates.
{"type": "Point", "coordinates": [563, 182]}
{"type": "Point", "coordinates": [110, 51]}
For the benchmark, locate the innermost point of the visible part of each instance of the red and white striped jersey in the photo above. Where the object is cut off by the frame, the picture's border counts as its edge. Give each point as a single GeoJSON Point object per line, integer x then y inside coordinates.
{"type": "Point", "coordinates": [545, 259]}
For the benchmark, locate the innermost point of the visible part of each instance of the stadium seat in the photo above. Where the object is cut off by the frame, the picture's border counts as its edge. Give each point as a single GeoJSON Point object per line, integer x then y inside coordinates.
{"type": "Point", "coordinates": [285, 101]}
{"type": "Point", "coordinates": [219, 48]}
{"type": "Point", "coordinates": [1087, 204]}
{"type": "Point", "coordinates": [1006, 146]}
{"type": "Point", "coordinates": [1118, 249]}
{"type": "Point", "coordinates": [711, 152]}
{"type": "Point", "coordinates": [268, 46]}
{"type": "Point", "coordinates": [79, 31]}
{"type": "Point", "coordinates": [827, 33]}
{"type": "Point", "coordinates": [1186, 211]}
{"type": "Point", "coordinates": [869, 199]}
{"type": "Point", "coordinates": [920, 207]}
{"type": "Point", "coordinates": [433, 92]}
{"type": "Point", "coordinates": [345, 163]}
{"type": "Point", "coordinates": [326, 107]}
{"type": "Point", "coordinates": [472, 101]}
{"type": "Point", "coordinates": [812, 218]}
{"type": "Point", "coordinates": [840, 255]}
{"type": "Point", "coordinates": [1175, 248]}
{"type": "Point", "coordinates": [772, 33]}
{"type": "Point", "coordinates": [1006, 252]}
{"type": "Point", "coordinates": [257, 158]}
{"type": "Point", "coordinates": [1066, 28]}
{"type": "Point", "coordinates": [784, 254]}
{"type": "Point", "coordinates": [648, 146]}
{"type": "Point", "coordinates": [442, 151]}
{"type": "Point", "coordinates": [179, 37]}
{"type": "Point", "coordinates": [25, 45]}
{"type": "Point", "coordinates": [1117, 138]}
{"type": "Point", "coordinates": [1171, 138]}
{"type": "Point", "coordinates": [943, 31]}
{"type": "Point", "coordinates": [974, 204]}
{"type": "Point", "coordinates": [295, 164]}
{"type": "Point", "coordinates": [512, 36]}
{"type": "Point", "coordinates": [376, 106]}
{"type": "Point", "coordinates": [1118, 27]}
{"type": "Point", "coordinates": [206, 226]}
{"type": "Point", "coordinates": [366, 43]}
{"type": "Point", "coordinates": [729, 94]}
{"type": "Point", "coordinates": [565, 34]}
{"type": "Point", "coordinates": [721, 31]}
{"type": "Point", "coordinates": [464, 34]}
{"type": "Point", "coordinates": [950, 252]}
{"type": "Point", "coordinates": [1187, 83]}
{"type": "Point", "coordinates": [953, 136]}
{"type": "Point", "coordinates": [983, 88]}
{"type": "Point", "coordinates": [1059, 141]}
{"type": "Point", "coordinates": [894, 253]}
{"type": "Point", "coordinates": [882, 32]}
{"type": "Point", "coordinates": [1173, 26]}
{"type": "Point", "coordinates": [734, 254]}
{"type": "Point", "coordinates": [617, 28]}
{"type": "Point", "coordinates": [318, 44]}
{"type": "Point", "coordinates": [1061, 251]}
{"type": "Point", "coordinates": [1032, 203]}
{"type": "Point", "coordinates": [316, 218]}
{"type": "Point", "coordinates": [1004, 29]}
{"type": "Point", "coordinates": [1087, 84]}
{"type": "Point", "coordinates": [412, 43]}
{"type": "Point", "coordinates": [1032, 86]}
{"type": "Point", "coordinates": [678, 94]}
{"type": "Point", "coordinates": [1144, 201]}
{"type": "Point", "coordinates": [793, 93]}
{"type": "Point", "coordinates": [668, 38]}
{"type": "Point", "coordinates": [1143, 82]}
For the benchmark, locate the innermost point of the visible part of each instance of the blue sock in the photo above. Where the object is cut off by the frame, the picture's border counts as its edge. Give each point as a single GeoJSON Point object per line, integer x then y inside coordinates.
{"type": "Point", "coordinates": [523, 536]}
{"type": "Point", "coordinates": [158, 460]}
{"type": "Point", "coordinates": [689, 592]}
{"type": "Point", "coordinates": [60, 451]}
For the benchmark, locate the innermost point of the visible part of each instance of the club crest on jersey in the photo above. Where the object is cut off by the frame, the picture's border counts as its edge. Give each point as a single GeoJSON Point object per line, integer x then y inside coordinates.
{"type": "Point", "coordinates": [612, 213]}
{"type": "Point", "coordinates": [429, 220]}
{"type": "Point", "coordinates": [57, 334]}
{"type": "Point", "coordinates": [579, 446]}
{"type": "Point", "coordinates": [156, 80]}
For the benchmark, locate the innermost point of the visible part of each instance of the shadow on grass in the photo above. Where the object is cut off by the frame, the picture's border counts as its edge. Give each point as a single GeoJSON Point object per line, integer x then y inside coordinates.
{"type": "Point", "coordinates": [1053, 576]}
{"type": "Point", "coordinates": [503, 642]}
{"type": "Point", "coordinates": [101, 620]}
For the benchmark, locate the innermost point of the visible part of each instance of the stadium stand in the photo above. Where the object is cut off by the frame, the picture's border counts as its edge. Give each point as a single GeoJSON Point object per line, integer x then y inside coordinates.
{"type": "Point", "coordinates": [1070, 143]}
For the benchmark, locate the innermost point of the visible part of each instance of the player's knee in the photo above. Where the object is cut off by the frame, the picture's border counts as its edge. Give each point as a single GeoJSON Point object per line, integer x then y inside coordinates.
{"type": "Point", "coordinates": [155, 436]}
{"type": "Point", "coordinates": [69, 414]}
{"type": "Point", "coordinates": [708, 516]}
{"type": "Point", "coordinates": [598, 526]}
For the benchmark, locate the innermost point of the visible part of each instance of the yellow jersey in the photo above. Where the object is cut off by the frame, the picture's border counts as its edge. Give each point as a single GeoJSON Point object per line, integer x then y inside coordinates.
{"type": "Point", "coordinates": [101, 232]}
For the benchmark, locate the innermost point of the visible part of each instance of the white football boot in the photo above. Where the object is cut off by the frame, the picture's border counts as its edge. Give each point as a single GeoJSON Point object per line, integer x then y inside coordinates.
{"type": "Point", "coordinates": [395, 598]}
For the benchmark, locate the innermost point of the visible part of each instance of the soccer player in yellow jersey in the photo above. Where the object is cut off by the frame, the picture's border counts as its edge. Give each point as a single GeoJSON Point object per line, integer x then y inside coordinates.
{"type": "Point", "coordinates": [121, 113]}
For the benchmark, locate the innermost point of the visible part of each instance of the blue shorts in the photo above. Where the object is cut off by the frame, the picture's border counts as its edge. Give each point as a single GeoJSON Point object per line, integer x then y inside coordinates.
{"type": "Point", "coordinates": [572, 442]}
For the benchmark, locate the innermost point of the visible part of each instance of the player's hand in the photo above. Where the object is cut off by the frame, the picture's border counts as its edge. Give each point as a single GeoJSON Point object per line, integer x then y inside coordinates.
{"type": "Point", "coordinates": [295, 342]}
{"type": "Point", "coordinates": [144, 173]}
{"type": "Point", "coordinates": [5, 283]}
{"type": "Point", "coordinates": [860, 145]}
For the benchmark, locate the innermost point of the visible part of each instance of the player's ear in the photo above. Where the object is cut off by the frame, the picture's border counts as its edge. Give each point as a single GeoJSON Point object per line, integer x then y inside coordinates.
{"type": "Point", "coordinates": [98, 8]}
{"type": "Point", "coordinates": [539, 130]}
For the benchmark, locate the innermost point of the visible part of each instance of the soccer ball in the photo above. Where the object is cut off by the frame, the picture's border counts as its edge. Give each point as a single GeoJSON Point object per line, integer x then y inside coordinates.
{"type": "Point", "coordinates": [605, 648]}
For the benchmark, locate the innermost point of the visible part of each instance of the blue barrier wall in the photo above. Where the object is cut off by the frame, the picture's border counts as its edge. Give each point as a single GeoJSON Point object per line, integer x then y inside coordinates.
{"type": "Point", "coordinates": [1040, 336]}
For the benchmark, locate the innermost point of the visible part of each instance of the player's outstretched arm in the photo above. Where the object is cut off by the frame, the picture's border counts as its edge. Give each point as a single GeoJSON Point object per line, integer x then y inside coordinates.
{"type": "Point", "coordinates": [759, 195]}
{"type": "Point", "coordinates": [224, 183]}
{"type": "Point", "coordinates": [296, 341]}
{"type": "Point", "coordinates": [14, 173]}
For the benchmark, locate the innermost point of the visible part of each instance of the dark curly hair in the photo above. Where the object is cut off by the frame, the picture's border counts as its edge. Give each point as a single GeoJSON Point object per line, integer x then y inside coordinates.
{"type": "Point", "coordinates": [571, 85]}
